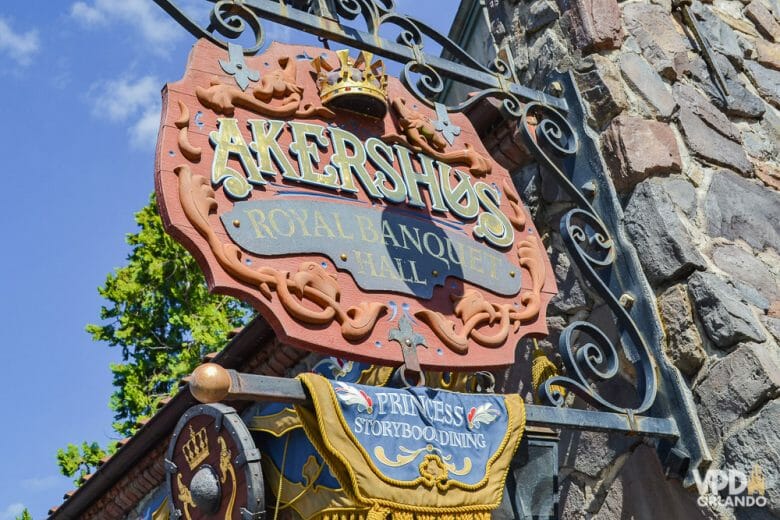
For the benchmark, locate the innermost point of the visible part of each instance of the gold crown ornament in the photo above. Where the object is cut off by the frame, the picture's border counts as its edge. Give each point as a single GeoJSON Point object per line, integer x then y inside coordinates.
{"type": "Point", "coordinates": [196, 450]}
{"type": "Point", "coordinates": [356, 85]}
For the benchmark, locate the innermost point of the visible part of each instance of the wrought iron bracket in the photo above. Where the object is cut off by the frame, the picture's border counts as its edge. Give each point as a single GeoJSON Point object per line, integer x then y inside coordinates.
{"type": "Point", "coordinates": [593, 233]}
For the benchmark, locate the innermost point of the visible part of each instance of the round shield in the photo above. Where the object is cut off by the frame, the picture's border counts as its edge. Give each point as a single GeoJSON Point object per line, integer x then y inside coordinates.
{"type": "Point", "coordinates": [213, 467]}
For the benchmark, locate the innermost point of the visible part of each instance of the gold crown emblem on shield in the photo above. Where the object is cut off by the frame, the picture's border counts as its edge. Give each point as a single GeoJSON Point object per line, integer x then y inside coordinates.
{"type": "Point", "coordinates": [196, 449]}
{"type": "Point", "coordinates": [357, 85]}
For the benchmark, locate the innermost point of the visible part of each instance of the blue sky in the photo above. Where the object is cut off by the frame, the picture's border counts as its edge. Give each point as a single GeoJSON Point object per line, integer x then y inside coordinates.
{"type": "Point", "coordinates": [80, 99]}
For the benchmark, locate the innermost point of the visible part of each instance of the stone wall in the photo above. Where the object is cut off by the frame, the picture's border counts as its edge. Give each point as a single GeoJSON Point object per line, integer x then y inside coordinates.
{"type": "Point", "coordinates": [698, 175]}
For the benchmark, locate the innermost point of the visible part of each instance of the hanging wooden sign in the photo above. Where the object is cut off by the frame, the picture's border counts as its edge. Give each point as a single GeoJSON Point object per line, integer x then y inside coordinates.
{"type": "Point", "coordinates": [353, 217]}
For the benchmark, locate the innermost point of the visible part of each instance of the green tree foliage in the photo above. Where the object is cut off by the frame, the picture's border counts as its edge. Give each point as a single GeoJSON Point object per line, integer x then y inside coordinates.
{"type": "Point", "coordinates": [162, 317]}
{"type": "Point", "coordinates": [25, 515]}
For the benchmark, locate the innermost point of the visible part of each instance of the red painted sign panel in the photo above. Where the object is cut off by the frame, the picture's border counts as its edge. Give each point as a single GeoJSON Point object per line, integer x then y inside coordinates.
{"type": "Point", "coordinates": [353, 217]}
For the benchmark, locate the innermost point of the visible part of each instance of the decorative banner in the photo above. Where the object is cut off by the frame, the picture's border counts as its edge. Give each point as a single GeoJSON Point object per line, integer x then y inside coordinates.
{"type": "Point", "coordinates": [296, 474]}
{"type": "Point", "coordinates": [353, 217]}
{"type": "Point", "coordinates": [416, 451]}
{"type": "Point", "coordinates": [213, 468]}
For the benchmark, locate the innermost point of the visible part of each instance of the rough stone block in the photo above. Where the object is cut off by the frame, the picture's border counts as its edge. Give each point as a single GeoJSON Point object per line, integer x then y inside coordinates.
{"type": "Point", "coordinates": [768, 54]}
{"type": "Point", "coordinates": [658, 34]}
{"type": "Point", "coordinates": [646, 82]}
{"type": "Point", "coordinates": [681, 192]}
{"type": "Point", "coordinates": [663, 244]}
{"type": "Point", "coordinates": [599, 82]}
{"type": "Point", "coordinates": [740, 102]}
{"type": "Point", "coordinates": [683, 344]}
{"type": "Point", "coordinates": [597, 25]}
{"type": "Point", "coordinates": [772, 325]}
{"type": "Point", "coordinates": [708, 131]}
{"type": "Point", "coordinates": [571, 297]}
{"type": "Point", "coordinates": [572, 503]}
{"type": "Point", "coordinates": [759, 445]}
{"type": "Point", "coordinates": [769, 175]}
{"type": "Point", "coordinates": [642, 491]}
{"type": "Point", "coordinates": [767, 81]}
{"type": "Point", "coordinates": [736, 386]}
{"type": "Point", "coordinates": [738, 208]}
{"type": "Point", "coordinates": [636, 148]}
{"type": "Point", "coordinates": [738, 24]}
{"type": "Point", "coordinates": [726, 320]}
{"type": "Point", "coordinates": [745, 267]}
{"type": "Point", "coordinates": [591, 452]}
{"type": "Point", "coordinates": [763, 20]}
{"type": "Point", "coordinates": [537, 15]}
{"type": "Point", "coordinates": [722, 37]}
{"type": "Point", "coordinates": [548, 52]}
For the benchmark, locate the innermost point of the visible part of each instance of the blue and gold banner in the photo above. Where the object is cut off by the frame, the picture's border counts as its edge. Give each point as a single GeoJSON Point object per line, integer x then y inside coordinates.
{"type": "Point", "coordinates": [416, 452]}
{"type": "Point", "coordinates": [298, 476]}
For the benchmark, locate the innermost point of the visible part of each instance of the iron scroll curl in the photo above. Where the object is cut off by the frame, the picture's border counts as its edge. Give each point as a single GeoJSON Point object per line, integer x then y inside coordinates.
{"type": "Point", "coordinates": [590, 246]}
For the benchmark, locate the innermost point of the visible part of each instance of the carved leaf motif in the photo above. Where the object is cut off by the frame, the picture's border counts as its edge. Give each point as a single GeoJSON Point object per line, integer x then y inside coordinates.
{"type": "Point", "coordinates": [298, 293]}
{"type": "Point", "coordinates": [517, 218]}
{"type": "Point", "coordinates": [278, 95]}
{"type": "Point", "coordinates": [192, 153]}
{"type": "Point", "coordinates": [421, 136]}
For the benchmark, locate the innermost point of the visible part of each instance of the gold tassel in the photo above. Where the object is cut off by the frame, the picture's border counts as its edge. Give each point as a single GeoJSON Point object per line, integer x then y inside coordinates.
{"type": "Point", "coordinates": [378, 513]}
{"type": "Point", "coordinates": [542, 369]}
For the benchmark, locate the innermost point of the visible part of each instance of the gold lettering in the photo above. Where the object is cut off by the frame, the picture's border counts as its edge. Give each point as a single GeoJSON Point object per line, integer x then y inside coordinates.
{"type": "Point", "coordinates": [493, 226]}
{"type": "Point", "coordinates": [387, 233]}
{"type": "Point", "coordinates": [475, 259]}
{"type": "Point", "coordinates": [493, 266]}
{"type": "Point", "coordinates": [416, 241]}
{"type": "Point", "coordinates": [367, 230]}
{"type": "Point", "coordinates": [399, 263]}
{"type": "Point", "coordinates": [452, 254]}
{"type": "Point", "coordinates": [340, 229]}
{"type": "Point", "coordinates": [321, 223]}
{"type": "Point", "coordinates": [307, 153]}
{"type": "Point", "coordinates": [364, 260]}
{"type": "Point", "coordinates": [348, 163]}
{"type": "Point", "coordinates": [257, 218]}
{"type": "Point", "coordinates": [301, 218]}
{"type": "Point", "coordinates": [272, 215]}
{"type": "Point", "coordinates": [381, 157]}
{"type": "Point", "coordinates": [439, 254]}
{"type": "Point", "coordinates": [387, 269]}
{"type": "Point", "coordinates": [229, 143]}
{"type": "Point", "coordinates": [427, 177]}
{"type": "Point", "coordinates": [462, 189]}
{"type": "Point", "coordinates": [265, 135]}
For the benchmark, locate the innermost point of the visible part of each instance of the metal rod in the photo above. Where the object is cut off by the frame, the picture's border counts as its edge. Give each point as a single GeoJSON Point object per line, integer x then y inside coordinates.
{"type": "Point", "coordinates": [211, 383]}
{"type": "Point", "coordinates": [706, 53]}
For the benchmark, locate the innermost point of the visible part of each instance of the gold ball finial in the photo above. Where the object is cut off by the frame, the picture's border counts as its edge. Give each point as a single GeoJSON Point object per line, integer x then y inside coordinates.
{"type": "Point", "coordinates": [210, 383]}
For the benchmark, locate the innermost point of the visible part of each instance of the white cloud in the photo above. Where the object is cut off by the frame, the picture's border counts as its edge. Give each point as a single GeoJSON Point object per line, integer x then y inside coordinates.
{"type": "Point", "coordinates": [120, 99]}
{"type": "Point", "coordinates": [133, 101]}
{"type": "Point", "coordinates": [143, 134]}
{"type": "Point", "coordinates": [11, 512]}
{"type": "Point", "coordinates": [41, 483]}
{"type": "Point", "coordinates": [19, 46]}
{"type": "Point", "coordinates": [150, 20]}
{"type": "Point", "coordinates": [87, 14]}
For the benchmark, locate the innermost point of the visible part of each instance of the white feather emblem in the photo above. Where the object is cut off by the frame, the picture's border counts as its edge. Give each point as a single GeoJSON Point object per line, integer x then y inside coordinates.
{"type": "Point", "coordinates": [350, 396]}
{"type": "Point", "coordinates": [482, 414]}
